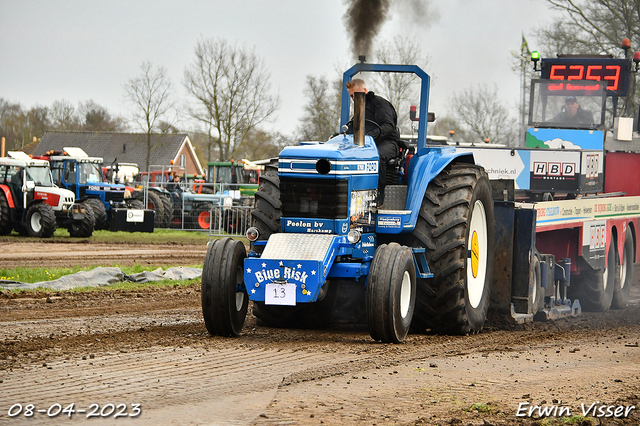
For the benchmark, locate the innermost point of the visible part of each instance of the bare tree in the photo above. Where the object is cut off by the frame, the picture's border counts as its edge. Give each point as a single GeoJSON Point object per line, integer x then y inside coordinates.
{"type": "Point", "coordinates": [483, 113]}
{"type": "Point", "coordinates": [98, 119]}
{"type": "Point", "coordinates": [594, 27]}
{"type": "Point", "coordinates": [63, 116]}
{"type": "Point", "coordinates": [14, 125]}
{"type": "Point", "coordinates": [401, 89]}
{"type": "Point", "coordinates": [151, 97]}
{"type": "Point", "coordinates": [321, 117]}
{"type": "Point", "coordinates": [231, 90]}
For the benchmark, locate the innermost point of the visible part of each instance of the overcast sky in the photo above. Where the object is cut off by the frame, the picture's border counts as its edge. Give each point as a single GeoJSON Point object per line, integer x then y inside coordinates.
{"type": "Point", "coordinates": [88, 49]}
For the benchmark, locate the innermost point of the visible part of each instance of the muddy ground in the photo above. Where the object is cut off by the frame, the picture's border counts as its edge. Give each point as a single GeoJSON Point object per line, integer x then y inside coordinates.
{"type": "Point", "coordinates": [150, 348]}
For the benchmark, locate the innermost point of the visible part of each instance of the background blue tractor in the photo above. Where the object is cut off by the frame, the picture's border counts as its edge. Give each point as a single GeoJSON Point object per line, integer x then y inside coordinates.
{"type": "Point", "coordinates": [318, 239]}
{"type": "Point", "coordinates": [74, 170]}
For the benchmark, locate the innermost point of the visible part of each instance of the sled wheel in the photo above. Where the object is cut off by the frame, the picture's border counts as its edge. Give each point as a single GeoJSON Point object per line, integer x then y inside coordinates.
{"type": "Point", "coordinates": [391, 293]}
{"type": "Point", "coordinates": [5, 221]}
{"type": "Point", "coordinates": [535, 287]}
{"type": "Point", "coordinates": [99, 213]}
{"type": "Point", "coordinates": [594, 288]}
{"type": "Point", "coordinates": [224, 297]}
{"type": "Point", "coordinates": [83, 228]}
{"type": "Point", "coordinates": [623, 284]}
{"type": "Point", "coordinates": [41, 221]}
{"type": "Point", "coordinates": [455, 225]}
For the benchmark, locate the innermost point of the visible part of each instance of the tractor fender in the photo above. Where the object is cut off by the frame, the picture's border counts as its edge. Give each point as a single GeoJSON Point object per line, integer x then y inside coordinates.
{"type": "Point", "coordinates": [7, 193]}
{"type": "Point", "coordinates": [422, 170]}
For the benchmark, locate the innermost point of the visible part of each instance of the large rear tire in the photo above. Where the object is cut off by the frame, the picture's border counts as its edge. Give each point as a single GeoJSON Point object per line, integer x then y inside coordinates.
{"type": "Point", "coordinates": [83, 228]}
{"type": "Point", "coordinates": [268, 210]}
{"type": "Point", "coordinates": [41, 221]}
{"type": "Point", "coordinates": [167, 207]}
{"type": "Point", "coordinates": [134, 204]}
{"type": "Point", "coordinates": [391, 293]}
{"type": "Point", "coordinates": [224, 297]}
{"type": "Point", "coordinates": [5, 220]}
{"type": "Point", "coordinates": [99, 213]}
{"type": "Point", "coordinates": [623, 284]}
{"type": "Point", "coordinates": [153, 203]}
{"type": "Point", "coordinates": [594, 287]}
{"type": "Point", "coordinates": [456, 227]}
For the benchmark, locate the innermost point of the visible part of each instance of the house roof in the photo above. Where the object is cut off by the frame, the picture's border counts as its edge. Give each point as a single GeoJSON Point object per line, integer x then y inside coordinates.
{"type": "Point", "coordinates": [125, 147]}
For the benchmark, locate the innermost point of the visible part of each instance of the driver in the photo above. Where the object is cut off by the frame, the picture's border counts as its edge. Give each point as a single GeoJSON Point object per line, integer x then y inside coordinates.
{"type": "Point", "coordinates": [572, 113]}
{"type": "Point", "coordinates": [379, 111]}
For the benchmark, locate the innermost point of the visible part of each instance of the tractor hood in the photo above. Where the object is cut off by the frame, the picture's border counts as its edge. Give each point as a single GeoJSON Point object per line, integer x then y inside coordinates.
{"type": "Point", "coordinates": [339, 148]}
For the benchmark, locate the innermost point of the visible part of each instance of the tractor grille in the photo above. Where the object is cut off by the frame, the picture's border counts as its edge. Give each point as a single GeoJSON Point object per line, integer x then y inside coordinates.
{"type": "Point", "coordinates": [314, 198]}
{"type": "Point", "coordinates": [115, 196]}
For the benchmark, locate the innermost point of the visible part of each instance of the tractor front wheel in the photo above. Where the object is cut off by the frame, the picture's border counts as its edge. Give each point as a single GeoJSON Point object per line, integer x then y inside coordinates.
{"type": "Point", "coordinates": [83, 228]}
{"type": "Point", "coordinates": [99, 213]}
{"type": "Point", "coordinates": [41, 221]}
{"type": "Point", "coordinates": [5, 220]}
{"type": "Point", "coordinates": [224, 297]}
{"type": "Point", "coordinates": [391, 293]}
{"type": "Point", "coordinates": [204, 218]}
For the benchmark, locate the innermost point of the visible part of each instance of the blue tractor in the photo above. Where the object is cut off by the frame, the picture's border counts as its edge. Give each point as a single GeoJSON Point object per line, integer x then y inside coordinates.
{"type": "Point", "coordinates": [424, 261]}
{"type": "Point", "coordinates": [74, 170]}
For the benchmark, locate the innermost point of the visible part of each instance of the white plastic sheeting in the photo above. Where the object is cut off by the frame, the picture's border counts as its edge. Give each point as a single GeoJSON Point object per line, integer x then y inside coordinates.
{"type": "Point", "coordinates": [100, 277]}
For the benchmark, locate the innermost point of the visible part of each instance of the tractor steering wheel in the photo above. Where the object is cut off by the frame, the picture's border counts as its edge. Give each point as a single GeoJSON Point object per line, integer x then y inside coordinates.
{"type": "Point", "coordinates": [350, 124]}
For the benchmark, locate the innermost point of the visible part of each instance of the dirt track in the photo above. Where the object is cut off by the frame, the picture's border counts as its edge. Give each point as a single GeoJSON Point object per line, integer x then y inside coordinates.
{"type": "Point", "coordinates": [150, 347]}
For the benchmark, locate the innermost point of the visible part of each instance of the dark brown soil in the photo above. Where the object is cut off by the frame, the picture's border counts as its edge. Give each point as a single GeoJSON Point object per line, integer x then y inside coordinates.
{"type": "Point", "coordinates": [151, 347]}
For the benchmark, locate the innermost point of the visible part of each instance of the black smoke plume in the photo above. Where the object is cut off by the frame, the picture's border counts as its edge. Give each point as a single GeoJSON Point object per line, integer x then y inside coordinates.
{"type": "Point", "coordinates": [363, 20]}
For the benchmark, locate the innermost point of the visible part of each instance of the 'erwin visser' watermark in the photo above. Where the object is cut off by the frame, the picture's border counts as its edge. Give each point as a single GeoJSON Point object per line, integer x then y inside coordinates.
{"type": "Point", "coordinates": [596, 409]}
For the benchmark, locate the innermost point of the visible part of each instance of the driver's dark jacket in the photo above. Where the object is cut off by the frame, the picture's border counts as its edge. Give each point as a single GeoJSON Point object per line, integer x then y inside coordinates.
{"type": "Point", "coordinates": [380, 111]}
{"type": "Point", "coordinates": [582, 117]}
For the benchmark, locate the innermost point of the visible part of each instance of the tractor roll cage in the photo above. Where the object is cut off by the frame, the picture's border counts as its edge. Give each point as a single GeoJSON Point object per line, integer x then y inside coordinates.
{"type": "Point", "coordinates": [411, 69]}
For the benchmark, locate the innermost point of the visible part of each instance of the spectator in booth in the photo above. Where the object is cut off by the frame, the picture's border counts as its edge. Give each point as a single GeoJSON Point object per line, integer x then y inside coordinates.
{"type": "Point", "coordinates": [572, 113]}
{"type": "Point", "coordinates": [378, 110]}
{"type": "Point", "coordinates": [175, 185]}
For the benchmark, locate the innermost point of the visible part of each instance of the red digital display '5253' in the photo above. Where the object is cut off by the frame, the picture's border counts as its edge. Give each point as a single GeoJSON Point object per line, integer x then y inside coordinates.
{"type": "Point", "coordinates": [615, 72]}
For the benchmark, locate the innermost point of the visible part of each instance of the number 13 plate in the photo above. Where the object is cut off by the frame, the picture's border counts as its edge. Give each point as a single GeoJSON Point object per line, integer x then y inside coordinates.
{"type": "Point", "coordinates": [280, 294]}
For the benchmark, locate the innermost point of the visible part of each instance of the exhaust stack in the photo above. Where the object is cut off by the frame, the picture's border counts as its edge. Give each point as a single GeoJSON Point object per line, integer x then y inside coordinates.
{"type": "Point", "coordinates": [358, 118]}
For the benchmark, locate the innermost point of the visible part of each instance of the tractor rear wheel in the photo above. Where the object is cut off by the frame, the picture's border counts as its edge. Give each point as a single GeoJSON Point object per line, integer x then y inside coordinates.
{"type": "Point", "coordinates": [224, 297]}
{"type": "Point", "coordinates": [594, 288]}
{"type": "Point", "coordinates": [268, 209]}
{"type": "Point", "coordinates": [153, 203]}
{"type": "Point", "coordinates": [391, 293]}
{"type": "Point", "coordinates": [5, 220]}
{"type": "Point", "coordinates": [83, 228]}
{"type": "Point", "coordinates": [99, 213]}
{"type": "Point", "coordinates": [455, 225]}
{"type": "Point", "coordinates": [41, 221]}
{"type": "Point", "coordinates": [623, 285]}
{"type": "Point", "coordinates": [167, 207]}
{"type": "Point", "coordinates": [134, 204]}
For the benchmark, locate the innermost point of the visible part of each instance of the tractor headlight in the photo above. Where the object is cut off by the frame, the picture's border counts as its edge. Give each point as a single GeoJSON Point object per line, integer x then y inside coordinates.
{"type": "Point", "coordinates": [354, 236]}
{"type": "Point", "coordinates": [252, 234]}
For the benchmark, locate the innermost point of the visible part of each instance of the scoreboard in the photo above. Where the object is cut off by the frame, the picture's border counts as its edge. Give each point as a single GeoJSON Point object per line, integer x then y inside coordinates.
{"type": "Point", "coordinates": [614, 72]}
